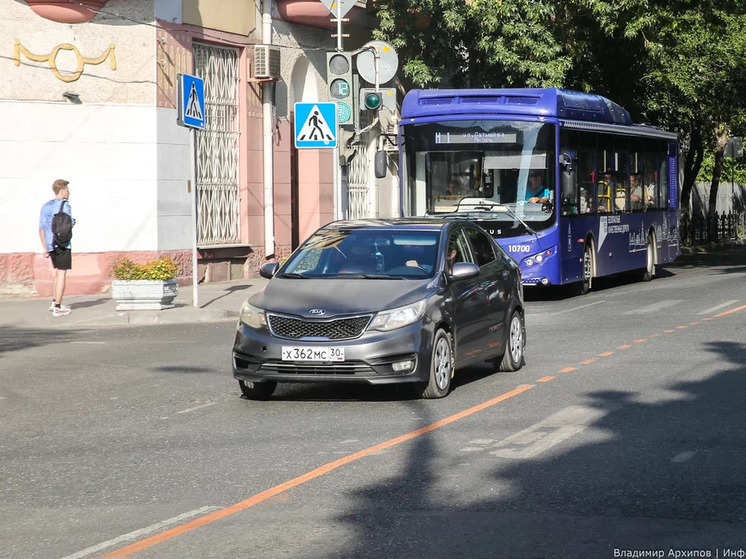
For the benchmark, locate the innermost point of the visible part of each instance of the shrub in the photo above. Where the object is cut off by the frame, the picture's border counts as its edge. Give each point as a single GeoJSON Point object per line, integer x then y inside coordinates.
{"type": "Point", "coordinates": [162, 269]}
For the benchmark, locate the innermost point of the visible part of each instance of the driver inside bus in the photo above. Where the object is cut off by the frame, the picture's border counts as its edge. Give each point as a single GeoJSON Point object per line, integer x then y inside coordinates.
{"type": "Point", "coordinates": [536, 192]}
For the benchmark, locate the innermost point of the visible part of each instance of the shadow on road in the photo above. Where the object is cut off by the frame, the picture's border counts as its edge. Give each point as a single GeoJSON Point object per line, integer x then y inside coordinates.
{"type": "Point", "coordinates": [15, 339]}
{"type": "Point", "coordinates": [632, 481]}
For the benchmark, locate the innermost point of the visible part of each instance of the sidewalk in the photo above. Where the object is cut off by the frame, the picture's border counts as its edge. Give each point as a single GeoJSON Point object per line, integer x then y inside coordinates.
{"type": "Point", "coordinates": [217, 302]}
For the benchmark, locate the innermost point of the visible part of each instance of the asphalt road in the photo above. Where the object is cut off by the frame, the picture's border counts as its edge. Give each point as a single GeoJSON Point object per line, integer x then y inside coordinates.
{"type": "Point", "coordinates": [623, 433]}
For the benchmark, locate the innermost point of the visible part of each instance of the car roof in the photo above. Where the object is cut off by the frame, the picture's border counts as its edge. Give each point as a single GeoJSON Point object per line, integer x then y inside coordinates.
{"type": "Point", "coordinates": [413, 223]}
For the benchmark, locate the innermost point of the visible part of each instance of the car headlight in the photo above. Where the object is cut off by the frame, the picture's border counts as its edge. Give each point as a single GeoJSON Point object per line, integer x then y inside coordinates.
{"type": "Point", "coordinates": [398, 318]}
{"type": "Point", "coordinates": [252, 316]}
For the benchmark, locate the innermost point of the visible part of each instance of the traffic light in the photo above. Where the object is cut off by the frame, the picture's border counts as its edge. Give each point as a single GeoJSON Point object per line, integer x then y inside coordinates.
{"type": "Point", "coordinates": [376, 99]}
{"type": "Point", "coordinates": [339, 80]}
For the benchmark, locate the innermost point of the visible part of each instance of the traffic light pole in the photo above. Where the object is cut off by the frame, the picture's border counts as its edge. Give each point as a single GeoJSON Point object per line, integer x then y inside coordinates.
{"type": "Point", "coordinates": [339, 27]}
{"type": "Point", "coordinates": [337, 195]}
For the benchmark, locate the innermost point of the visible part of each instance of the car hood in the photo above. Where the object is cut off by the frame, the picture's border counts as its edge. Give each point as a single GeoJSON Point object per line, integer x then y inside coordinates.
{"type": "Point", "coordinates": [338, 296]}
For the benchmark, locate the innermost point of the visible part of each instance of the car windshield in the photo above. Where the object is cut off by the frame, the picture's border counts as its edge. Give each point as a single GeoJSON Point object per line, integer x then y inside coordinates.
{"type": "Point", "coordinates": [371, 253]}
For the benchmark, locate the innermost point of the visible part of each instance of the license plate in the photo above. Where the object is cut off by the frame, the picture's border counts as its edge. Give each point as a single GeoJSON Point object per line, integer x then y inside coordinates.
{"type": "Point", "coordinates": [292, 353]}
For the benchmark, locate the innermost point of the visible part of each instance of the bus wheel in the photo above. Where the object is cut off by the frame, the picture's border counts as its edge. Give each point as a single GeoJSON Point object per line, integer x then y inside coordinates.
{"type": "Point", "coordinates": [587, 284]}
{"type": "Point", "coordinates": [649, 271]}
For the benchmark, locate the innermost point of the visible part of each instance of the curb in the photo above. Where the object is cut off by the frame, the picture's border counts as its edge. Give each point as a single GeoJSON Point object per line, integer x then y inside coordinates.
{"type": "Point", "coordinates": [719, 245]}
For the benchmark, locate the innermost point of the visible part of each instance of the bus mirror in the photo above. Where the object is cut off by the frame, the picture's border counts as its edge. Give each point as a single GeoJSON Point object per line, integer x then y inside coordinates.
{"type": "Point", "coordinates": [569, 183]}
{"type": "Point", "coordinates": [566, 161]}
{"type": "Point", "coordinates": [380, 165]}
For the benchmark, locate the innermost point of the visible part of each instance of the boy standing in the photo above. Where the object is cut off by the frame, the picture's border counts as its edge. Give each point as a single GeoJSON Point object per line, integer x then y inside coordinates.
{"type": "Point", "coordinates": [61, 256]}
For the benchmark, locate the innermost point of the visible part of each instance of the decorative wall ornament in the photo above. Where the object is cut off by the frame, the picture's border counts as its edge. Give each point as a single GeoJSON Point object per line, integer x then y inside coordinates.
{"type": "Point", "coordinates": [52, 57]}
{"type": "Point", "coordinates": [66, 11]}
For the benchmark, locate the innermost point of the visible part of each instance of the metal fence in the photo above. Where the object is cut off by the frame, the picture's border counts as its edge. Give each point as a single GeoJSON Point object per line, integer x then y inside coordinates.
{"type": "Point", "coordinates": [725, 226]}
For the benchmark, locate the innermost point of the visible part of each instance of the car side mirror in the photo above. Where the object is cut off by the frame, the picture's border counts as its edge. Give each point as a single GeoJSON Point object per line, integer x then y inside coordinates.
{"type": "Point", "coordinates": [464, 270]}
{"type": "Point", "coordinates": [268, 270]}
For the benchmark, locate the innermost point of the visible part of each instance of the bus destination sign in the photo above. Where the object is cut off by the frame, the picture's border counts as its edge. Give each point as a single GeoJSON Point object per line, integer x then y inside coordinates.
{"type": "Point", "coordinates": [474, 138]}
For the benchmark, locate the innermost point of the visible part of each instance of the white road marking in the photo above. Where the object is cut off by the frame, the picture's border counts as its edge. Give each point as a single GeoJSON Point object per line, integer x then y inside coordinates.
{"type": "Point", "coordinates": [713, 309]}
{"type": "Point", "coordinates": [578, 308]}
{"type": "Point", "coordinates": [90, 343]}
{"type": "Point", "coordinates": [684, 456]}
{"type": "Point", "coordinates": [197, 407]}
{"type": "Point", "coordinates": [655, 307]}
{"type": "Point", "coordinates": [549, 432]}
{"type": "Point", "coordinates": [137, 534]}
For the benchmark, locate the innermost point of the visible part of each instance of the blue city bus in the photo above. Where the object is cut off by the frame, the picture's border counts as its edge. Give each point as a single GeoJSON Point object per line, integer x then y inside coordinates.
{"type": "Point", "coordinates": [567, 184]}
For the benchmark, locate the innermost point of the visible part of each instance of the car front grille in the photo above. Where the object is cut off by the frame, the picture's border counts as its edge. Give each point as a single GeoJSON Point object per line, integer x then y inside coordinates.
{"type": "Point", "coordinates": [337, 329]}
{"type": "Point", "coordinates": [296, 368]}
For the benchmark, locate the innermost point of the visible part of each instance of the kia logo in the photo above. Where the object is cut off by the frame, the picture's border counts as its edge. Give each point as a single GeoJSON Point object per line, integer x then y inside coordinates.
{"type": "Point", "coordinates": [317, 311]}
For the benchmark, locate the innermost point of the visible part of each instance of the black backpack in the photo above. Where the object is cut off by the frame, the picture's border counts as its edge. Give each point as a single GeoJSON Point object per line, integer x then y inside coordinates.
{"type": "Point", "coordinates": [62, 227]}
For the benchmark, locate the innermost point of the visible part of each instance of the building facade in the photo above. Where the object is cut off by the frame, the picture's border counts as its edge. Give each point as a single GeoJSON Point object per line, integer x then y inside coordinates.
{"type": "Point", "coordinates": [90, 94]}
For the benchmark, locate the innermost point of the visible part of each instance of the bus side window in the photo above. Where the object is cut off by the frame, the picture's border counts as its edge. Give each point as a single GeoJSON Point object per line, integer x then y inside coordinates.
{"type": "Point", "coordinates": [620, 200]}
{"type": "Point", "coordinates": [586, 170]}
{"type": "Point", "coordinates": [603, 192]}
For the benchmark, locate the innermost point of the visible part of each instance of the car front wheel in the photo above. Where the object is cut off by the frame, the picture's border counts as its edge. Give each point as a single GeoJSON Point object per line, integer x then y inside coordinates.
{"type": "Point", "coordinates": [256, 390]}
{"type": "Point", "coordinates": [441, 366]}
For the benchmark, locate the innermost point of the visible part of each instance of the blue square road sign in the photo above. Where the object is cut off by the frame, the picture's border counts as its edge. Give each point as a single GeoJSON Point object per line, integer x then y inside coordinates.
{"type": "Point", "coordinates": [191, 101]}
{"type": "Point", "coordinates": [315, 125]}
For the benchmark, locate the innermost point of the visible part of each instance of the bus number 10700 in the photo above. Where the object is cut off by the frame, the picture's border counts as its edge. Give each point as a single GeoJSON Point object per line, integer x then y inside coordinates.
{"type": "Point", "coordinates": [519, 248]}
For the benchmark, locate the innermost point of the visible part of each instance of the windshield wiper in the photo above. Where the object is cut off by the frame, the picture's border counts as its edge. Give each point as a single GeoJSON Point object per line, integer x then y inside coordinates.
{"type": "Point", "coordinates": [295, 275]}
{"type": "Point", "coordinates": [509, 211]}
{"type": "Point", "coordinates": [364, 276]}
{"type": "Point", "coordinates": [381, 276]}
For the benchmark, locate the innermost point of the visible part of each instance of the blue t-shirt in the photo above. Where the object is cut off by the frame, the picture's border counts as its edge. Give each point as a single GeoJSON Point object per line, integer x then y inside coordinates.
{"type": "Point", "coordinates": [541, 193]}
{"type": "Point", "coordinates": [45, 220]}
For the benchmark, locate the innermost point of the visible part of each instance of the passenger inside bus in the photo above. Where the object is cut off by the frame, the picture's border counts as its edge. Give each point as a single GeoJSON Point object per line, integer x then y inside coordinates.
{"type": "Point", "coordinates": [453, 188]}
{"type": "Point", "coordinates": [639, 196]}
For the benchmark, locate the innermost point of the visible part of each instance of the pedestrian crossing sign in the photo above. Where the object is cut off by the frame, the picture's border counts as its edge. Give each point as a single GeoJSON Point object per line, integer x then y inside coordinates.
{"type": "Point", "coordinates": [315, 125]}
{"type": "Point", "coordinates": [191, 101]}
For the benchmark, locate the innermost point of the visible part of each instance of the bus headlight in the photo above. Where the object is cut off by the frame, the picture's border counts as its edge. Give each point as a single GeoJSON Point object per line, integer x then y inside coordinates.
{"type": "Point", "coordinates": [537, 259]}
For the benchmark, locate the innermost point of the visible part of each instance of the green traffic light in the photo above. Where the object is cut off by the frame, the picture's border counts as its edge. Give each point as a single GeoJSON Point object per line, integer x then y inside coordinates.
{"type": "Point", "coordinates": [373, 101]}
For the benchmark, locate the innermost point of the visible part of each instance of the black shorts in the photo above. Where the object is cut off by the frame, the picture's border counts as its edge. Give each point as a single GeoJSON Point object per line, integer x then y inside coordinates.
{"type": "Point", "coordinates": [62, 258]}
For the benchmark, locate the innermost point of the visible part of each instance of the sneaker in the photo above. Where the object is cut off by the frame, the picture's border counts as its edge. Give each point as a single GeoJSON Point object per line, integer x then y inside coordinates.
{"type": "Point", "coordinates": [51, 307]}
{"type": "Point", "coordinates": [60, 311]}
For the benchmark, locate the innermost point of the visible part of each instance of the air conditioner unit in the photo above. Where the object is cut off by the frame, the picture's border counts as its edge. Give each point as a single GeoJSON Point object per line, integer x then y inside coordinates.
{"type": "Point", "coordinates": [266, 62]}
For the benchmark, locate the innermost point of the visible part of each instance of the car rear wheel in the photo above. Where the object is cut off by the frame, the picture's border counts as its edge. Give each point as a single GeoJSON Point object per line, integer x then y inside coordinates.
{"type": "Point", "coordinates": [441, 366]}
{"type": "Point", "coordinates": [257, 390]}
{"type": "Point", "coordinates": [512, 359]}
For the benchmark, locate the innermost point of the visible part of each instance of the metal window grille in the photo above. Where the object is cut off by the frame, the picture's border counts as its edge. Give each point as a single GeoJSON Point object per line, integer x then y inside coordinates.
{"type": "Point", "coordinates": [218, 200]}
{"type": "Point", "coordinates": [359, 204]}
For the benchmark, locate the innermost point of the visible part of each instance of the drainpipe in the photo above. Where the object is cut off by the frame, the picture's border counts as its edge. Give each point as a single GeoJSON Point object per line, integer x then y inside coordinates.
{"type": "Point", "coordinates": [268, 144]}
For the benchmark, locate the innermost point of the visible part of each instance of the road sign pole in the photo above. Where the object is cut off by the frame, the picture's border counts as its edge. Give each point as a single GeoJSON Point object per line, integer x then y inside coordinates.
{"type": "Point", "coordinates": [193, 180]}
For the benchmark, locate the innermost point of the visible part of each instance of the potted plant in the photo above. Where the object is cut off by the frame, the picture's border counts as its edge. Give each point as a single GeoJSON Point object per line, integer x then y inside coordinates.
{"type": "Point", "coordinates": [149, 286]}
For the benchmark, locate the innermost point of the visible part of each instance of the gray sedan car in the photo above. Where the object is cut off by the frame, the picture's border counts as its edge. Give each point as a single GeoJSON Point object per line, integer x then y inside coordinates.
{"type": "Point", "coordinates": [383, 302]}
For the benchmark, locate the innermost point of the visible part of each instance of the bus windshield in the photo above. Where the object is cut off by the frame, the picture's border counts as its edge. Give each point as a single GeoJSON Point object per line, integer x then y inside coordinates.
{"type": "Point", "coordinates": [457, 165]}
